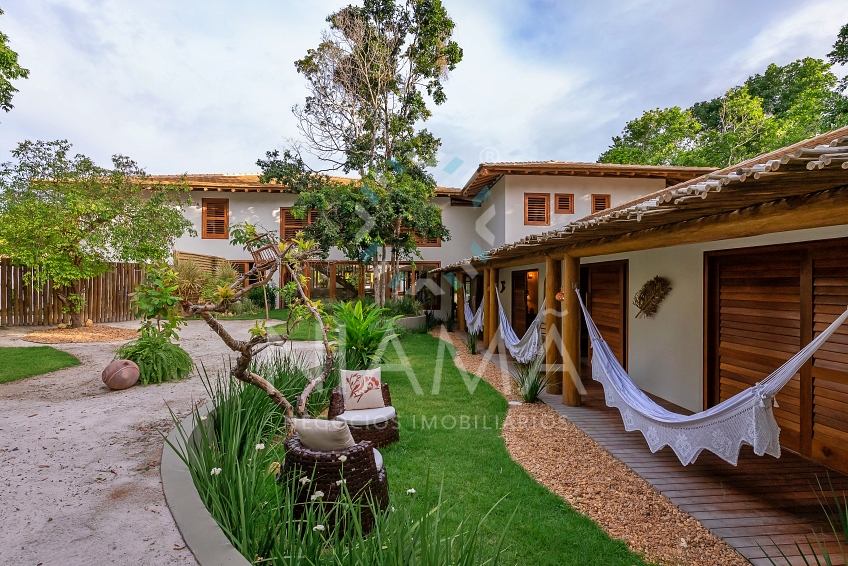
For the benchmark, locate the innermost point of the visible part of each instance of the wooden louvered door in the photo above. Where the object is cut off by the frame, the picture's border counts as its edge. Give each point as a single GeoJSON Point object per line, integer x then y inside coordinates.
{"type": "Point", "coordinates": [759, 311]}
{"type": "Point", "coordinates": [606, 299]}
{"type": "Point", "coordinates": [763, 305]}
{"type": "Point", "coordinates": [829, 371]}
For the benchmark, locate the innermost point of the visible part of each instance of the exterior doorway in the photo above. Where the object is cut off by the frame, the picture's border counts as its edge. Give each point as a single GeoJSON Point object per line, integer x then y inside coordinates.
{"type": "Point", "coordinates": [525, 299]}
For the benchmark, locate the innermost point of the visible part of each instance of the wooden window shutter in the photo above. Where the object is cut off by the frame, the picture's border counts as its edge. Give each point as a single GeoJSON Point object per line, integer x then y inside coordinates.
{"type": "Point", "coordinates": [421, 241]}
{"type": "Point", "coordinates": [290, 226]}
{"type": "Point", "coordinates": [600, 202]}
{"type": "Point", "coordinates": [563, 204]}
{"type": "Point", "coordinates": [427, 242]}
{"type": "Point", "coordinates": [537, 208]}
{"type": "Point", "coordinates": [216, 218]}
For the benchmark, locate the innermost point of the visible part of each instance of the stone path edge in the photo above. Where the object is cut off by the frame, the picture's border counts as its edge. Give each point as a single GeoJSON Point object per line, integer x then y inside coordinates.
{"type": "Point", "coordinates": [200, 531]}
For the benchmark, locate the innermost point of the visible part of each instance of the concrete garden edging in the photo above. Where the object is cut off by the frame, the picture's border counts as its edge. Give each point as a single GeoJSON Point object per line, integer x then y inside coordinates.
{"type": "Point", "coordinates": [412, 322]}
{"type": "Point", "coordinates": [200, 531]}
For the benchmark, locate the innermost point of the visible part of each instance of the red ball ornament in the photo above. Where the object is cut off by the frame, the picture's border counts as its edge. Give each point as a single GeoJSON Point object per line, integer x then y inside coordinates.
{"type": "Point", "coordinates": [120, 374]}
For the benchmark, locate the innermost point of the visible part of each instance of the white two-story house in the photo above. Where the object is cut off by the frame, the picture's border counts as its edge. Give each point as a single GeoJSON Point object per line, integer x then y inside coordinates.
{"type": "Point", "coordinates": [500, 203]}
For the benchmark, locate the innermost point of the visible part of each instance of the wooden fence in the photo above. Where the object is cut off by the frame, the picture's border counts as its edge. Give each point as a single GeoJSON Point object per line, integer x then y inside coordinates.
{"type": "Point", "coordinates": [107, 298]}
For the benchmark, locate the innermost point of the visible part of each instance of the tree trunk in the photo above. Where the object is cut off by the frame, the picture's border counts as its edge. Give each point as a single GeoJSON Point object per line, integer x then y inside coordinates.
{"type": "Point", "coordinates": [77, 319]}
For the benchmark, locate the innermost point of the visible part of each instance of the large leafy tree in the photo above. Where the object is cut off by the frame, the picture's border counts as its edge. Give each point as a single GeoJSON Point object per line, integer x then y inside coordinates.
{"type": "Point", "coordinates": [370, 81]}
{"type": "Point", "coordinates": [659, 137]}
{"type": "Point", "coordinates": [68, 218]}
{"type": "Point", "coordinates": [781, 106]}
{"type": "Point", "coordinates": [9, 71]}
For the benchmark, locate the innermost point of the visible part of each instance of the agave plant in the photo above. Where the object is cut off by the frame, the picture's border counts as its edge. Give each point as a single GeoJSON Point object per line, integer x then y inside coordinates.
{"type": "Point", "coordinates": [531, 377]}
{"type": "Point", "coordinates": [816, 552]}
{"type": "Point", "coordinates": [363, 333]}
{"type": "Point", "coordinates": [471, 342]}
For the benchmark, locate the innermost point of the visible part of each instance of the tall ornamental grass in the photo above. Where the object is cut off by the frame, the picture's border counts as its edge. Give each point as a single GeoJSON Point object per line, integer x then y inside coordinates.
{"type": "Point", "coordinates": [235, 457]}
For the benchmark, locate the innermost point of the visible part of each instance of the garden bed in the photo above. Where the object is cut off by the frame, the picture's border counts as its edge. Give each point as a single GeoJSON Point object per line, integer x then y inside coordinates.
{"type": "Point", "coordinates": [439, 446]}
{"type": "Point", "coordinates": [81, 335]}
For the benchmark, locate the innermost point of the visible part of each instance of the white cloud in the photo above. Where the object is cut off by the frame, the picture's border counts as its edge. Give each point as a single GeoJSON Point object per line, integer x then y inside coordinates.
{"type": "Point", "coordinates": [207, 86]}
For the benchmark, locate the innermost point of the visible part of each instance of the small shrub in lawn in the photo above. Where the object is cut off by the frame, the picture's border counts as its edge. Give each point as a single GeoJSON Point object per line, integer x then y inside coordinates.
{"type": "Point", "coordinates": [362, 333]}
{"type": "Point", "coordinates": [158, 359]}
{"type": "Point", "coordinates": [404, 306]}
{"type": "Point", "coordinates": [530, 377]}
{"type": "Point", "coordinates": [471, 342]}
{"type": "Point", "coordinates": [431, 321]}
{"type": "Point", "coordinates": [243, 306]}
{"type": "Point", "coordinates": [257, 297]}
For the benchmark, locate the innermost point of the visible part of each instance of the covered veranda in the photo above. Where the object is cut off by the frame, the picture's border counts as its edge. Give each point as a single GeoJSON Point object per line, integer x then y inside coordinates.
{"type": "Point", "coordinates": [762, 502]}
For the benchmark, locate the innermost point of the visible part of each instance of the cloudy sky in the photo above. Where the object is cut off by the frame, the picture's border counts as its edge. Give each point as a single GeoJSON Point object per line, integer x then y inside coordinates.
{"type": "Point", "coordinates": [206, 86]}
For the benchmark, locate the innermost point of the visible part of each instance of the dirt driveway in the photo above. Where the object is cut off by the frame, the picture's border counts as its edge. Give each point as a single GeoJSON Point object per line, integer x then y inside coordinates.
{"type": "Point", "coordinates": [80, 463]}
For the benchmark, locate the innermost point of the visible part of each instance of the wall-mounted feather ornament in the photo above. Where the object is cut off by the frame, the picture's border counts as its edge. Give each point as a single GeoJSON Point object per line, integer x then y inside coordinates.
{"type": "Point", "coordinates": [649, 297]}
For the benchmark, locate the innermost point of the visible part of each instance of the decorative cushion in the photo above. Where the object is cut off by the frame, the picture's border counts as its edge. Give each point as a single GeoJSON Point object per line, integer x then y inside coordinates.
{"type": "Point", "coordinates": [378, 458]}
{"type": "Point", "coordinates": [323, 436]}
{"type": "Point", "coordinates": [362, 389]}
{"type": "Point", "coordinates": [364, 417]}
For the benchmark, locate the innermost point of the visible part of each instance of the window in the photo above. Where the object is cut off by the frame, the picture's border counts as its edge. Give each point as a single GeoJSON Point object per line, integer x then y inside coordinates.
{"type": "Point", "coordinates": [454, 201]}
{"type": "Point", "coordinates": [216, 218]}
{"type": "Point", "coordinates": [423, 242]}
{"type": "Point", "coordinates": [600, 202]}
{"type": "Point", "coordinates": [563, 204]}
{"type": "Point", "coordinates": [290, 226]}
{"type": "Point", "coordinates": [537, 209]}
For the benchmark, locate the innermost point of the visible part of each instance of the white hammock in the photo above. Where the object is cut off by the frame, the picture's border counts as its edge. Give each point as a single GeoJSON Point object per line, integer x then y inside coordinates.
{"type": "Point", "coordinates": [745, 418]}
{"type": "Point", "coordinates": [474, 321]}
{"type": "Point", "coordinates": [530, 344]}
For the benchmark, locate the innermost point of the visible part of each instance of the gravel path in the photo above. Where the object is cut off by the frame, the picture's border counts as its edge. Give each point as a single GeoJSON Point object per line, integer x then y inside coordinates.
{"type": "Point", "coordinates": [80, 463]}
{"type": "Point", "coordinates": [569, 463]}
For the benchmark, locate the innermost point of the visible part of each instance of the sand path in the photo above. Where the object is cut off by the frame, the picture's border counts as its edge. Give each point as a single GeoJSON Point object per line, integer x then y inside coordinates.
{"type": "Point", "coordinates": [80, 463]}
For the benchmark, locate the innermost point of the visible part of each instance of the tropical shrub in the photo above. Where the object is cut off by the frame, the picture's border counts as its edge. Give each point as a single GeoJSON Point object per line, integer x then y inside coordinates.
{"type": "Point", "coordinates": [530, 377]}
{"type": "Point", "coordinates": [257, 296]}
{"type": "Point", "coordinates": [235, 463]}
{"type": "Point", "coordinates": [362, 333]}
{"type": "Point", "coordinates": [471, 342]}
{"type": "Point", "coordinates": [431, 321]}
{"type": "Point", "coordinates": [243, 306]}
{"type": "Point", "coordinates": [158, 359]}
{"type": "Point", "coordinates": [290, 374]}
{"type": "Point", "coordinates": [837, 518]}
{"type": "Point", "coordinates": [190, 279]}
{"type": "Point", "coordinates": [405, 306]}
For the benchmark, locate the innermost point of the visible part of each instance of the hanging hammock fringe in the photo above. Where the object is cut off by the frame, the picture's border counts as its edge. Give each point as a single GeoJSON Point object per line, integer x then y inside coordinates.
{"type": "Point", "coordinates": [745, 418]}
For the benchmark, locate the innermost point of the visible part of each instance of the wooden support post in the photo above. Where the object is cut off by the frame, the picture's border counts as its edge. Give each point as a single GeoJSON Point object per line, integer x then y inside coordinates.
{"type": "Point", "coordinates": [484, 304]}
{"type": "Point", "coordinates": [570, 332]}
{"type": "Point", "coordinates": [331, 270]}
{"type": "Point", "coordinates": [460, 304]}
{"type": "Point", "coordinates": [493, 308]}
{"type": "Point", "coordinates": [362, 281]}
{"type": "Point", "coordinates": [553, 360]}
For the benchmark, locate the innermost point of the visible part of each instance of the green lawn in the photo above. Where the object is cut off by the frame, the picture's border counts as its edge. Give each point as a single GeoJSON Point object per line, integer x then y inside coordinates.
{"type": "Point", "coordinates": [306, 330]}
{"type": "Point", "coordinates": [476, 469]}
{"type": "Point", "coordinates": [20, 363]}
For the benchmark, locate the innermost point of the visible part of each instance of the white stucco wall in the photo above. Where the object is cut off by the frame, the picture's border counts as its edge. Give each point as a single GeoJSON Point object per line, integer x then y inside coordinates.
{"type": "Point", "coordinates": [264, 208]}
{"type": "Point", "coordinates": [666, 351]}
{"type": "Point", "coordinates": [621, 190]}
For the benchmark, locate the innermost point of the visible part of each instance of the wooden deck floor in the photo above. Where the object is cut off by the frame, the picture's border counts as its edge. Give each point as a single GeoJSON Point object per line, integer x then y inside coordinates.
{"type": "Point", "coordinates": [763, 502]}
